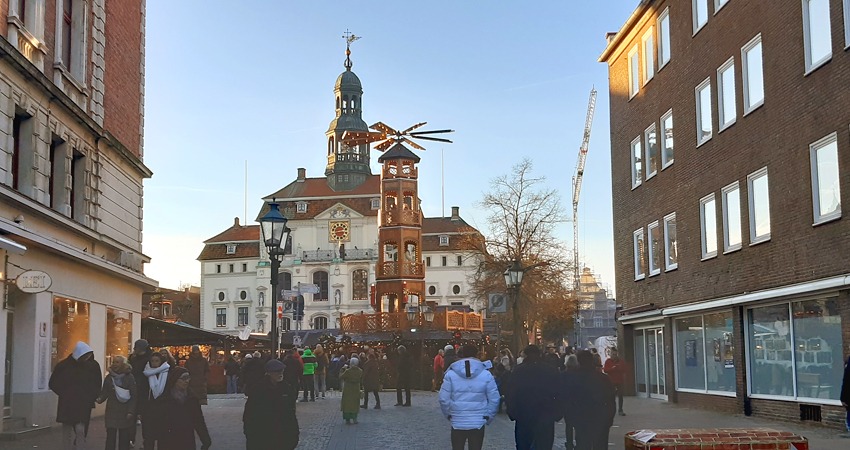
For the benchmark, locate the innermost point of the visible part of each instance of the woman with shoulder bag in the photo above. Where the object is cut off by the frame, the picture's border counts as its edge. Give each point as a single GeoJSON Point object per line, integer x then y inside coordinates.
{"type": "Point", "coordinates": [119, 393]}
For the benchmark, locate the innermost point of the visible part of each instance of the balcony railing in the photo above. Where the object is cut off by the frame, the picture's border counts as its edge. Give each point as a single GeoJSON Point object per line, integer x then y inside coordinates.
{"type": "Point", "coordinates": [443, 321]}
{"type": "Point", "coordinates": [347, 157]}
{"type": "Point", "coordinates": [330, 255]}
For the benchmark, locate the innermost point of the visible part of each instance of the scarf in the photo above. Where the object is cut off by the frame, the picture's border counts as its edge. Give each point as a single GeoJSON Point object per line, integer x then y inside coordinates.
{"type": "Point", "coordinates": [117, 378]}
{"type": "Point", "coordinates": [157, 378]}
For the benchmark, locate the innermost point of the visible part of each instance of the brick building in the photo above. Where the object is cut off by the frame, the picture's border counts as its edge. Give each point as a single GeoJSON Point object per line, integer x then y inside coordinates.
{"type": "Point", "coordinates": [730, 247]}
{"type": "Point", "coordinates": [71, 187]}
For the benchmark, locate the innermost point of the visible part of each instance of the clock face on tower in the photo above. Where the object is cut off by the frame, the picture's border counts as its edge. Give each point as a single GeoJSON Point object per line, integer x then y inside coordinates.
{"type": "Point", "coordinates": [339, 231]}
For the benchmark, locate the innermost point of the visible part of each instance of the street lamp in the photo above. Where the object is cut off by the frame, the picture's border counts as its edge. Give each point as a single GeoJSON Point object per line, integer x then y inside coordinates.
{"type": "Point", "coordinates": [275, 235]}
{"type": "Point", "coordinates": [513, 279]}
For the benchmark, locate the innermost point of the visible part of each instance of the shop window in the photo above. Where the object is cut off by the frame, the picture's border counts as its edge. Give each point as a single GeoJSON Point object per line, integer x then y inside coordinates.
{"type": "Point", "coordinates": [704, 353]}
{"type": "Point", "coordinates": [70, 325]}
{"type": "Point", "coordinates": [119, 334]}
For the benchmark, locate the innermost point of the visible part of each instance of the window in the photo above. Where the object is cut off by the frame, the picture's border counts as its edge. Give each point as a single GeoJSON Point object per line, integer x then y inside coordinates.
{"type": "Point", "coordinates": [726, 104]}
{"type": "Point", "coordinates": [708, 219]}
{"type": "Point", "coordinates": [731, 198]}
{"type": "Point", "coordinates": [671, 243]}
{"type": "Point", "coordinates": [285, 324]}
{"type": "Point", "coordinates": [700, 14]}
{"type": "Point", "coordinates": [230, 268]}
{"type": "Point", "coordinates": [444, 240]}
{"type": "Point", "coordinates": [459, 260]}
{"type": "Point", "coordinates": [244, 267]}
{"type": "Point", "coordinates": [445, 261]}
{"type": "Point", "coordinates": [802, 368]}
{"type": "Point", "coordinates": [637, 163]}
{"type": "Point", "coordinates": [376, 203]}
{"type": "Point", "coordinates": [119, 333]}
{"type": "Point", "coordinates": [360, 284]}
{"type": "Point", "coordinates": [817, 33]}
{"type": "Point", "coordinates": [56, 184]}
{"type": "Point", "coordinates": [667, 139]}
{"type": "Point", "coordinates": [22, 152]}
{"type": "Point", "coordinates": [242, 316]}
{"type": "Point", "coordinates": [221, 317]}
{"type": "Point", "coordinates": [654, 249]}
{"type": "Point", "coordinates": [652, 155]}
{"type": "Point", "coordinates": [456, 289]}
{"type": "Point", "coordinates": [301, 207]}
{"type": "Point", "coordinates": [67, 11]}
{"type": "Point", "coordinates": [71, 38]}
{"type": "Point", "coordinates": [432, 290]}
{"type": "Point", "coordinates": [78, 185]}
{"type": "Point", "coordinates": [634, 72]}
{"type": "Point", "coordinates": [759, 198]}
{"type": "Point", "coordinates": [719, 4]}
{"type": "Point", "coordinates": [753, 75]}
{"type": "Point", "coordinates": [664, 38]}
{"type": "Point", "coordinates": [320, 323]}
{"type": "Point", "coordinates": [704, 129]}
{"type": "Point", "coordinates": [70, 325]}
{"type": "Point", "coordinates": [846, 24]}
{"type": "Point", "coordinates": [243, 295]}
{"type": "Point", "coordinates": [598, 322]}
{"type": "Point", "coordinates": [705, 354]}
{"type": "Point", "coordinates": [648, 43]}
{"type": "Point", "coordinates": [427, 261]}
{"type": "Point", "coordinates": [231, 249]}
{"type": "Point", "coordinates": [640, 258]}
{"type": "Point", "coordinates": [286, 280]}
{"type": "Point", "coordinates": [320, 279]}
{"type": "Point", "coordinates": [826, 189]}
{"type": "Point", "coordinates": [221, 296]}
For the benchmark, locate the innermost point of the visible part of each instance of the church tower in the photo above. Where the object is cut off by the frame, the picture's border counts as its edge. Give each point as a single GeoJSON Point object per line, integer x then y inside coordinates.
{"type": "Point", "coordinates": [400, 276]}
{"type": "Point", "coordinates": [348, 166]}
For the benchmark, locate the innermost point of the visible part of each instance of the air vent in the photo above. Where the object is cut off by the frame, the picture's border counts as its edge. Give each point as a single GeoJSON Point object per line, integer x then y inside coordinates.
{"type": "Point", "coordinates": [810, 412]}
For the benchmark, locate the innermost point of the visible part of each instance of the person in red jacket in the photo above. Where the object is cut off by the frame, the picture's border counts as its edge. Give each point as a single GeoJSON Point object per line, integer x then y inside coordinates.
{"type": "Point", "coordinates": [438, 371]}
{"type": "Point", "coordinates": [615, 367]}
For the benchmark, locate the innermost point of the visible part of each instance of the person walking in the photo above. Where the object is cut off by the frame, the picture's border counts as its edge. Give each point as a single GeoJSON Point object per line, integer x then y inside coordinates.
{"type": "Point", "coordinates": [308, 375]}
{"type": "Point", "coordinates": [184, 417]}
{"type": "Point", "coordinates": [138, 361]}
{"type": "Point", "coordinates": [76, 380]}
{"type": "Point", "coordinates": [845, 394]}
{"type": "Point", "coordinates": [253, 370]}
{"type": "Point", "coordinates": [533, 399]}
{"type": "Point", "coordinates": [169, 358]}
{"type": "Point", "coordinates": [439, 370]}
{"type": "Point", "coordinates": [553, 358]}
{"type": "Point", "coordinates": [569, 385]}
{"type": "Point", "coordinates": [320, 377]}
{"type": "Point", "coordinates": [592, 396]}
{"type": "Point", "coordinates": [119, 393]}
{"type": "Point", "coordinates": [231, 372]}
{"type": "Point", "coordinates": [199, 370]}
{"type": "Point", "coordinates": [616, 368]}
{"type": "Point", "coordinates": [507, 359]}
{"type": "Point", "coordinates": [352, 375]}
{"type": "Point", "coordinates": [371, 380]}
{"type": "Point", "coordinates": [154, 422]}
{"type": "Point", "coordinates": [269, 421]}
{"type": "Point", "coordinates": [404, 367]}
{"type": "Point", "coordinates": [292, 372]}
{"type": "Point", "coordinates": [469, 398]}
{"type": "Point", "coordinates": [449, 357]}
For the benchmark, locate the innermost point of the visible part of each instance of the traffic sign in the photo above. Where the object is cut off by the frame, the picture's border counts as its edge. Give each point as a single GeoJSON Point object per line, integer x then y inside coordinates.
{"type": "Point", "coordinates": [307, 288]}
{"type": "Point", "coordinates": [279, 311]}
{"type": "Point", "coordinates": [497, 303]}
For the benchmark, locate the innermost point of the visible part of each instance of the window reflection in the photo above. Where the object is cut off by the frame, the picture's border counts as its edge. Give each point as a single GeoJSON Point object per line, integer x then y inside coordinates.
{"type": "Point", "coordinates": [70, 325]}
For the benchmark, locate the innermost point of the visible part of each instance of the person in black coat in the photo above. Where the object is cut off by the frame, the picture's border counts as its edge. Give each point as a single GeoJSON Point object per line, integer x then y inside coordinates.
{"type": "Point", "coordinates": [449, 357]}
{"type": "Point", "coordinates": [293, 371]}
{"type": "Point", "coordinates": [76, 380]}
{"type": "Point", "coordinates": [252, 371]}
{"type": "Point", "coordinates": [592, 398]}
{"type": "Point", "coordinates": [183, 415]}
{"type": "Point", "coordinates": [138, 360]}
{"type": "Point", "coordinates": [845, 393]}
{"type": "Point", "coordinates": [269, 420]}
{"type": "Point", "coordinates": [533, 398]}
{"type": "Point", "coordinates": [404, 365]}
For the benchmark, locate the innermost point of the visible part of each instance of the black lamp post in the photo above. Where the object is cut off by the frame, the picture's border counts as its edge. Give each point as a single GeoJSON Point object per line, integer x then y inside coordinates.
{"type": "Point", "coordinates": [513, 279]}
{"type": "Point", "coordinates": [275, 235]}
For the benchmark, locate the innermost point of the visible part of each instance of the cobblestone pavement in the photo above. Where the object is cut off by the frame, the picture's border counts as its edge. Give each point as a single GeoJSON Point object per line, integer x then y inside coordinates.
{"type": "Point", "coordinates": [422, 426]}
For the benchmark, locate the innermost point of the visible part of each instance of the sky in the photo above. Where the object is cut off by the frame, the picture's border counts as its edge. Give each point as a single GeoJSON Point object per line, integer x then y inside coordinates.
{"type": "Point", "coordinates": [228, 87]}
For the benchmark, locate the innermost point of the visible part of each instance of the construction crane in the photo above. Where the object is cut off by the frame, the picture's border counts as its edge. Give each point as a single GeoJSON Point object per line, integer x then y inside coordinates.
{"type": "Point", "coordinates": [582, 157]}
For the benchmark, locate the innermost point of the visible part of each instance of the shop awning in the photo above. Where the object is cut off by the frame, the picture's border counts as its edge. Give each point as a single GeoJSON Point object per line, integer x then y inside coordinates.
{"type": "Point", "coordinates": [12, 246]}
{"type": "Point", "coordinates": [160, 333]}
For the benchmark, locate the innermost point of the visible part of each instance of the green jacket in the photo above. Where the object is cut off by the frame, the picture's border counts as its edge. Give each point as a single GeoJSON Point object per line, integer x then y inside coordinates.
{"type": "Point", "coordinates": [310, 363]}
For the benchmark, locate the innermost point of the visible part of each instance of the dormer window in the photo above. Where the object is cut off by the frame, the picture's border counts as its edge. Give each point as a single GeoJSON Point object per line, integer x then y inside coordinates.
{"type": "Point", "coordinates": [376, 203]}
{"type": "Point", "coordinates": [231, 249]}
{"type": "Point", "coordinates": [444, 240]}
{"type": "Point", "coordinates": [301, 207]}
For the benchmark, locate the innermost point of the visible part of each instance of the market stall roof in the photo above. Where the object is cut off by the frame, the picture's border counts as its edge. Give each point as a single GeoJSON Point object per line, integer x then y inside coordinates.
{"type": "Point", "coordinates": [309, 338]}
{"type": "Point", "coordinates": [160, 333]}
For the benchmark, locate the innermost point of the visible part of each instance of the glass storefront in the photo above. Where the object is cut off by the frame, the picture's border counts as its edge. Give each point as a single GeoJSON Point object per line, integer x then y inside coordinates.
{"type": "Point", "coordinates": [704, 353]}
{"type": "Point", "coordinates": [690, 353]}
{"type": "Point", "coordinates": [119, 334]}
{"type": "Point", "coordinates": [70, 325]}
{"type": "Point", "coordinates": [650, 376]}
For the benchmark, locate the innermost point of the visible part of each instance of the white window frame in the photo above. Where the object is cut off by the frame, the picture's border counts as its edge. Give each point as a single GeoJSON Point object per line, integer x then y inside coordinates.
{"type": "Point", "coordinates": [727, 247]}
{"type": "Point", "coordinates": [664, 16]}
{"type": "Point", "coordinates": [813, 149]}
{"type": "Point", "coordinates": [721, 93]}
{"type": "Point", "coordinates": [667, 266]}
{"type": "Point", "coordinates": [846, 24]}
{"type": "Point", "coordinates": [649, 262]}
{"type": "Point", "coordinates": [697, 25]}
{"type": "Point", "coordinates": [231, 249]}
{"type": "Point", "coordinates": [76, 71]}
{"type": "Point", "coordinates": [663, 139]}
{"type": "Point", "coordinates": [705, 84]}
{"type": "Point", "coordinates": [444, 240]}
{"type": "Point", "coordinates": [301, 207]}
{"type": "Point", "coordinates": [646, 150]}
{"type": "Point", "coordinates": [703, 232]}
{"type": "Point", "coordinates": [647, 44]}
{"type": "Point", "coordinates": [745, 74]}
{"type": "Point", "coordinates": [636, 180]}
{"type": "Point", "coordinates": [638, 253]}
{"type": "Point", "coordinates": [634, 77]}
{"type": "Point", "coordinates": [754, 240]}
{"type": "Point", "coordinates": [811, 65]}
{"type": "Point", "coordinates": [718, 5]}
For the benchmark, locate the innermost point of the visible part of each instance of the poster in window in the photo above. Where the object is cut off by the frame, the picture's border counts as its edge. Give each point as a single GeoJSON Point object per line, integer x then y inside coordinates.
{"type": "Point", "coordinates": [728, 357]}
{"type": "Point", "coordinates": [717, 350]}
{"type": "Point", "coordinates": [691, 353]}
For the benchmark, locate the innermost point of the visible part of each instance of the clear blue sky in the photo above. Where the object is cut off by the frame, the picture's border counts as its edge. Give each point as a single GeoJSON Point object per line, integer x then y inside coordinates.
{"type": "Point", "coordinates": [253, 81]}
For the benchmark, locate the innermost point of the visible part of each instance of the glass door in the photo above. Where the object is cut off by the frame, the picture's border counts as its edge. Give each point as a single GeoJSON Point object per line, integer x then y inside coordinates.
{"type": "Point", "coordinates": [640, 364]}
{"type": "Point", "coordinates": [655, 355]}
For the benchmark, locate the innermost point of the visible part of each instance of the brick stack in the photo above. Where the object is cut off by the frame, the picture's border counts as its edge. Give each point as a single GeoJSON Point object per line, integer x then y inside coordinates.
{"type": "Point", "coordinates": [719, 439]}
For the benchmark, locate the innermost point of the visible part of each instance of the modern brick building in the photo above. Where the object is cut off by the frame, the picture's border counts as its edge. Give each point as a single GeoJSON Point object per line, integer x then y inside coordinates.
{"type": "Point", "coordinates": [730, 247]}
{"type": "Point", "coordinates": [71, 187]}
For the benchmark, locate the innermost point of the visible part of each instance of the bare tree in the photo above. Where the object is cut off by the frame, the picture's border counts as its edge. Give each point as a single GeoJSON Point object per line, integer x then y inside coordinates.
{"type": "Point", "coordinates": [523, 216]}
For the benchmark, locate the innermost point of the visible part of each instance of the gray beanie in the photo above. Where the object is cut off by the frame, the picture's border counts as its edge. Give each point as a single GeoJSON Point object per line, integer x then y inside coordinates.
{"type": "Point", "coordinates": [275, 365]}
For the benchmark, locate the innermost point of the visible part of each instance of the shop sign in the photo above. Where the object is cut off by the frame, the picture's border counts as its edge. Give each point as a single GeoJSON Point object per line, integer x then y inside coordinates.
{"type": "Point", "coordinates": [33, 281]}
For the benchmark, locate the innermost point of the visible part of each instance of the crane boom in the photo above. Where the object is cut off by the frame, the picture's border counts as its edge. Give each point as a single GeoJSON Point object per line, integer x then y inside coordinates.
{"type": "Point", "coordinates": [577, 178]}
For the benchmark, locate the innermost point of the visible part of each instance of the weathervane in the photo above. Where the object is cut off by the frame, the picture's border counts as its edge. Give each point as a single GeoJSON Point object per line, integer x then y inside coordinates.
{"type": "Point", "coordinates": [349, 39]}
{"type": "Point", "coordinates": [390, 136]}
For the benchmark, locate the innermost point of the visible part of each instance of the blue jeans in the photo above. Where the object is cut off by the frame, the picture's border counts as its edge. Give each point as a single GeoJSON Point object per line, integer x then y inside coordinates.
{"type": "Point", "coordinates": [231, 384]}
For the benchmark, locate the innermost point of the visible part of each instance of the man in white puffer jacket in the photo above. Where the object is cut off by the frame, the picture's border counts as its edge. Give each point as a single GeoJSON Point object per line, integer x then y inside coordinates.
{"type": "Point", "coordinates": [469, 398]}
